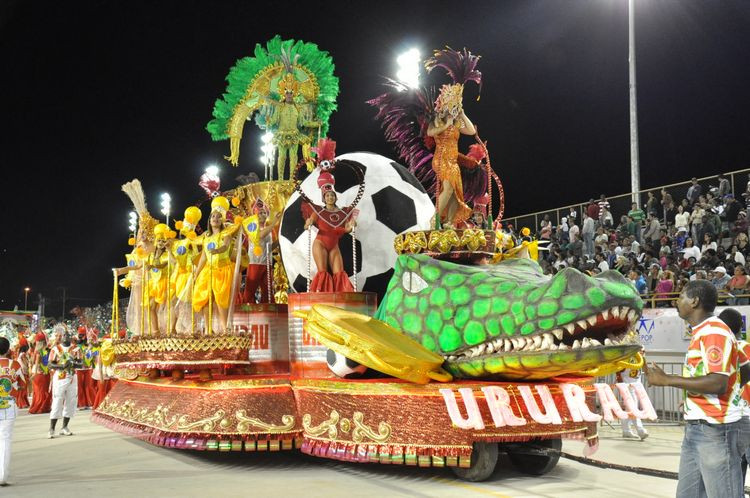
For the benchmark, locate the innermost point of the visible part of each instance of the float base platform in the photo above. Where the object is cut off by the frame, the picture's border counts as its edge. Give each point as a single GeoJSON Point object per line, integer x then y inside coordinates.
{"type": "Point", "coordinates": [233, 413]}
{"type": "Point", "coordinates": [397, 422]}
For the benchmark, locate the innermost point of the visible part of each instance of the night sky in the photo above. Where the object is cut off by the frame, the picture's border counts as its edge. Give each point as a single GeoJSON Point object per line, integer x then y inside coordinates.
{"type": "Point", "coordinates": [95, 94]}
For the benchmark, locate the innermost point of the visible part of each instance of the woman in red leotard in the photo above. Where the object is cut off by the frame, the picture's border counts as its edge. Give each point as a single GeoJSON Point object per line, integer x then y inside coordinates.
{"type": "Point", "coordinates": [332, 222]}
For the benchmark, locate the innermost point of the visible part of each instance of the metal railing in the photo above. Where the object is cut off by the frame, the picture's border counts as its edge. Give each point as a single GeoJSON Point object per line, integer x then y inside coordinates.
{"type": "Point", "coordinates": [667, 401]}
{"type": "Point", "coordinates": [656, 299]}
{"type": "Point", "coordinates": [620, 204]}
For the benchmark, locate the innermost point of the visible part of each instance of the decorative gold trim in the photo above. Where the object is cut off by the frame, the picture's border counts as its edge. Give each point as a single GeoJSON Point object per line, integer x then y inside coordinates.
{"type": "Point", "coordinates": [396, 444]}
{"type": "Point", "coordinates": [185, 362]}
{"type": "Point", "coordinates": [213, 385]}
{"type": "Point", "coordinates": [159, 418]}
{"type": "Point", "coordinates": [245, 422]}
{"type": "Point", "coordinates": [361, 430]}
{"type": "Point", "coordinates": [206, 424]}
{"type": "Point", "coordinates": [345, 425]}
{"type": "Point", "coordinates": [327, 425]}
{"type": "Point", "coordinates": [444, 241]}
{"type": "Point", "coordinates": [182, 344]}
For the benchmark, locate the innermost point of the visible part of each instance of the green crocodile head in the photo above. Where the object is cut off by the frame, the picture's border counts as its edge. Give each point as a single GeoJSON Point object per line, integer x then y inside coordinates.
{"type": "Point", "coordinates": [510, 321]}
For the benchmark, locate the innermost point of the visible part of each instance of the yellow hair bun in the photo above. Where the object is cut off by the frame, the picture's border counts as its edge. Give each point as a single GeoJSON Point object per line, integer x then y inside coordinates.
{"type": "Point", "coordinates": [192, 215]}
{"type": "Point", "coordinates": [178, 225]}
{"type": "Point", "coordinates": [131, 241]}
{"type": "Point", "coordinates": [235, 201]}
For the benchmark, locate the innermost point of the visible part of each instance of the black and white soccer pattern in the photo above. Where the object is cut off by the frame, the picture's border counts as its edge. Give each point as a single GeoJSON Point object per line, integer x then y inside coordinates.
{"type": "Point", "coordinates": [394, 202]}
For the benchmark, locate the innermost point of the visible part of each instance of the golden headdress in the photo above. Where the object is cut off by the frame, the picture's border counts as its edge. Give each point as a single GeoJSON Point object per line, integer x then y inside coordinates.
{"type": "Point", "coordinates": [288, 84]}
{"type": "Point", "coordinates": [146, 222]}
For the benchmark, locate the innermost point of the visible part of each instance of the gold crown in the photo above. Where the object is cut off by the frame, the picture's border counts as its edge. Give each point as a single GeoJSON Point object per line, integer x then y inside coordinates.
{"type": "Point", "coordinates": [288, 84]}
{"type": "Point", "coordinates": [146, 225]}
{"type": "Point", "coordinates": [450, 97]}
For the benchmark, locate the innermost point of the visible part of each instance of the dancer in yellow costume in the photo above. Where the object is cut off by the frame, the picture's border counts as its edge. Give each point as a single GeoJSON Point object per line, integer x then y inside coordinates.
{"type": "Point", "coordinates": [137, 260]}
{"type": "Point", "coordinates": [136, 316]}
{"type": "Point", "coordinates": [215, 269]}
{"type": "Point", "coordinates": [158, 280]}
{"type": "Point", "coordinates": [186, 254]}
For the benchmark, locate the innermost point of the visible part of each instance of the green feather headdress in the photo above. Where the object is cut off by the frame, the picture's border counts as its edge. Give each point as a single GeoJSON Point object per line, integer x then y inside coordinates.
{"type": "Point", "coordinates": [253, 79]}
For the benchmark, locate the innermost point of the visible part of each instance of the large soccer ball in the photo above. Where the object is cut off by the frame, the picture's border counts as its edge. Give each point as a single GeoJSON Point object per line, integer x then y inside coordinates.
{"type": "Point", "coordinates": [394, 202]}
{"type": "Point", "coordinates": [344, 367]}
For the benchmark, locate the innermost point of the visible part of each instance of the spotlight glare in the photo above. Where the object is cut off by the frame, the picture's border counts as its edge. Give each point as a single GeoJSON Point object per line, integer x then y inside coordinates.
{"type": "Point", "coordinates": [212, 170]}
{"type": "Point", "coordinates": [408, 72]}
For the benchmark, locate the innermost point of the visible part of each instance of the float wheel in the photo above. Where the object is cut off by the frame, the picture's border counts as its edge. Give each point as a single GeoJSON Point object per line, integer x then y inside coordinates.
{"type": "Point", "coordinates": [483, 461]}
{"type": "Point", "coordinates": [535, 457]}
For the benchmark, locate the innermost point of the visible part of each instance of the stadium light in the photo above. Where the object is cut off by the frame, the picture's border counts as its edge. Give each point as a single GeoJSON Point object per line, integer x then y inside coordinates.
{"type": "Point", "coordinates": [408, 64]}
{"type": "Point", "coordinates": [166, 205]}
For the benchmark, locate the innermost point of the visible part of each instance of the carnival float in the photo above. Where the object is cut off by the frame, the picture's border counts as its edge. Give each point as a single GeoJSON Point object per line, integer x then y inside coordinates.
{"type": "Point", "coordinates": [356, 309]}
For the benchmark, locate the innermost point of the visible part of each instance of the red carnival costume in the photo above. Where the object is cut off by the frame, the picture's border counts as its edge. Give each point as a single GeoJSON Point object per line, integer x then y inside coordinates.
{"type": "Point", "coordinates": [41, 399]}
{"type": "Point", "coordinates": [22, 394]}
{"type": "Point", "coordinates": [86, 389]}
{"type": "Point", "coordinates": [332, 225]}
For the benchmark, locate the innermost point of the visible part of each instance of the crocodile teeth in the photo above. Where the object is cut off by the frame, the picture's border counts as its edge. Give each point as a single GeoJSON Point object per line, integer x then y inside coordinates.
{"type": "Point", "coordinates": [570, 328]}
{"type": "Point", "coordinates": [548, 342]}
{"type": "Point", "coordinates": [624, 312]}
{"type": "Point", "coordinates": [591, 320]}
{"type": "Point", "coordinates": [529, 344]}
{"type": "Point", "coordinates": [507, 345]}
{"type": "Point", "coordinates": [594, 342]}
{"type": "Point", "coordinates": [563, 346]}
{"type": "Point", "coordinates": [517, 343]}
{"type": "Point", "coordinates": [576, 344]}
{"type": "Point", "coordinates": [490, 348]}
{"type": "Point", "coordinates": [547, 337]}
{"type": "Point", "coordinates": [582, 324]}
{"type": "Point", "coordinates": [451, 358]}
{"type": "Point", "coordinates": [605, 314]}
{"type": "Point", "coordinates": [607, 341]}
{"type": "Point", "coordinates": [616, 311]}
{"type": "Point", "coordinates": [586, 342]}
{"type": "Point", "coordinates": [537, 341]}
{"type": "Point", "coordinates": [632, 315]}
{"type": "Point", "coordinates": [558, 333]}
{"type": "Point", "coordinates": [552, 347]}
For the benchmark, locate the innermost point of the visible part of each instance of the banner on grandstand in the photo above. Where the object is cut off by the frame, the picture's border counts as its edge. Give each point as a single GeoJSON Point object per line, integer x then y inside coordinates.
{"type": "Point", "coordinates": [662, 330]}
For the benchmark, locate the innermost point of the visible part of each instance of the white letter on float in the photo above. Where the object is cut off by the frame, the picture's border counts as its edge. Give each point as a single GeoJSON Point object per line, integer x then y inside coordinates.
{"type": "Point", "coordinates": [609, 403]}
{"type": "Point", "coordinates": [498, 400]}
{"type": "Point", "coordinates": [647, 409]}
{"type": "Point", "coordinates": [551, 416]}
{"type": "Point", "coordinates": [473, 419]}
{"type": "Point", "coordinates": [575, 398]}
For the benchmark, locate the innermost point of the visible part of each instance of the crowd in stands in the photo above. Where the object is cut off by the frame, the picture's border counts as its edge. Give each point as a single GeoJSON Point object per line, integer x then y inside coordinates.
{"type": "Point", "coordinates": [662, 246]}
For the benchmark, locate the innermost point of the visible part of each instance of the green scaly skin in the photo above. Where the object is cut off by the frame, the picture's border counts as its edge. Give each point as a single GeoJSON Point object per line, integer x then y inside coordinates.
{"type": "Point", "coordinates": [510, 321]}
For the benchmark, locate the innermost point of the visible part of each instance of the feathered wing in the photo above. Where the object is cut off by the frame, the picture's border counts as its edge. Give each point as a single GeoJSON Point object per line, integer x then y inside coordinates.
{"type": "Point", "coordinates": [405, 115]}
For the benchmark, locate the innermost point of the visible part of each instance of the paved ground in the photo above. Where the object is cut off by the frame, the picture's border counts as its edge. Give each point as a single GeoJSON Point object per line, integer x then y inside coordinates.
{"type": "Point", "coordinates": [98, 462]}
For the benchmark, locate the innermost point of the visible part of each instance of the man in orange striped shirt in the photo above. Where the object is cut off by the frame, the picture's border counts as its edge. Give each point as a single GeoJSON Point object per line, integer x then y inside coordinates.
{"type": "Point", "coordinates": [733, 319]}
{"type": "Point", "coordinates": [715, 433]}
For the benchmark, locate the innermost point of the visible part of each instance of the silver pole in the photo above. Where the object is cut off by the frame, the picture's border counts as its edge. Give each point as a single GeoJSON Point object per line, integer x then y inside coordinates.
{"type": "Point", "coordinates": [635, 171]}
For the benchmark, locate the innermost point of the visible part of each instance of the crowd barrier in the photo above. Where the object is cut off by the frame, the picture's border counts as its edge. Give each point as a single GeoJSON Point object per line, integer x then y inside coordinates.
{"type": "Point", "coordinates": [620, 204]}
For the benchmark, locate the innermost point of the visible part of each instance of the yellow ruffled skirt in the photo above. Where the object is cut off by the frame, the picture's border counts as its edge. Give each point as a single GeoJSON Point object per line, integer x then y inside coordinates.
{"type": "Point", "coordinates": [219, 280]}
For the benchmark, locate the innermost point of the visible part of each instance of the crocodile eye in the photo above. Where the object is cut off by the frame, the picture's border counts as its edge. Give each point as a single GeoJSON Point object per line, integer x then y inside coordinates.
{"type": "Point", "coordinates": [412, 282]}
